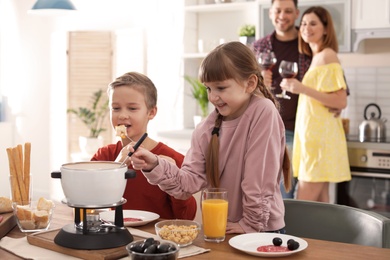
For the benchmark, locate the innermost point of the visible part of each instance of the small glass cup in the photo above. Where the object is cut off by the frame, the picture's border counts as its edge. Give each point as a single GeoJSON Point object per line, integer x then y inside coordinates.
{"type": "Point", "coordinates": [21, 189]}
{"type": "Point", "coordinates": [31, 216]}
{"type": "Point", "coordinates": [214, 203]}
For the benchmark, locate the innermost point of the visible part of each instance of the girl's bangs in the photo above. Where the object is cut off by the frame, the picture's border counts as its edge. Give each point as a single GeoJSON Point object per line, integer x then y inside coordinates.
{"type": "Point", "coordinates": [216, 67]}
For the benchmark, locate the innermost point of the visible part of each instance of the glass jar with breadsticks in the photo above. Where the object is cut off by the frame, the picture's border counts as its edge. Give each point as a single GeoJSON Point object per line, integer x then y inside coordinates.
{"type": "Point", "coordinates": [20, 176]}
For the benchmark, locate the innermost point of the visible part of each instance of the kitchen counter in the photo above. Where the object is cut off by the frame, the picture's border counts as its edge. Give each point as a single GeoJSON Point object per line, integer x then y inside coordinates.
{"type": "Point", "coordinates": [353, 142]}
{"type": "Point", "coordinates": [368, 145]}
{"type": "Point", "coordinates": [317, 249]}
{"type": "Point", "coordinates": [180, 140]}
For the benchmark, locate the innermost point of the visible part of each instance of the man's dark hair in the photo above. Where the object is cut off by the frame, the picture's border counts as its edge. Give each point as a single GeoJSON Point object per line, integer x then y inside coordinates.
{"type": "Point", "coordinates": [295, 2]}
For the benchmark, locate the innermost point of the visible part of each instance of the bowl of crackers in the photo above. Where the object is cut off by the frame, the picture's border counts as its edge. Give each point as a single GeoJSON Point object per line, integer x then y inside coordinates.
{"type": "Point", "coordinates": [182, 232]}
{"type": "Point", "coordinates": [33, 216]}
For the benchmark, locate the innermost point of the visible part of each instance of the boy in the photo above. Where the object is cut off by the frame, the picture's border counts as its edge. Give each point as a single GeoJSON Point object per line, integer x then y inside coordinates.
{"type": "Point", "coordinates": [132, 103]}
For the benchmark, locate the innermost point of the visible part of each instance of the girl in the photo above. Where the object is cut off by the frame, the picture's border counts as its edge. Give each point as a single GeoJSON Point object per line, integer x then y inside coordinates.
{"type": "Point", "coordinates": [240, 146]}
{"type": "Point", "coordinates": [320, 148]}
{"type": "Point", "coordinates": [133, 102]}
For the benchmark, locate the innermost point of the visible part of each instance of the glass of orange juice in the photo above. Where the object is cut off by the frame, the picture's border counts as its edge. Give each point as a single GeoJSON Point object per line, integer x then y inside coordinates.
{"type": "Point", "coordinates": [214, 203]}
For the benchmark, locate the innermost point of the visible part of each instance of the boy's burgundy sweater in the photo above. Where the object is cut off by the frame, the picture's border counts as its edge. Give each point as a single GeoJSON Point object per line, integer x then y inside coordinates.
{"type": "Point", "coordinates": [141, 195]}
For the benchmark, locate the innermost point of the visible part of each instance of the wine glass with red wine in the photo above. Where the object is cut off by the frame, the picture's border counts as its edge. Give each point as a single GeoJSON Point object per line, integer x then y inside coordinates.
{"type": "Point", "coordinates": [288, 70]}
{"type": "Point", "coordinates": [267, 60]}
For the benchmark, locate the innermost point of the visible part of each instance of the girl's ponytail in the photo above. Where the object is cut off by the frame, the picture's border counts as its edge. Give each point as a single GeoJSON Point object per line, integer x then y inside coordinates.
{"type": "Point", "coordinates": [212, 169]}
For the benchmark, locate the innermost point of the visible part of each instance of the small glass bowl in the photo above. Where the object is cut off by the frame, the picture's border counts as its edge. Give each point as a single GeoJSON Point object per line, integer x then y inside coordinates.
{"type": "Point", "coordinates": [182, 232]}
{"type": "Point", "coordinates": [134, 247]}
{"type": "Point", "coordinates": [31, 218]}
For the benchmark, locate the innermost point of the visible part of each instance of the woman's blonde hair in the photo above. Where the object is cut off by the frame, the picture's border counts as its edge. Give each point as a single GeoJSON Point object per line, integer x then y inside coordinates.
{"type": "Point", "coordinates": [329, 39]}
{"type": "Point", "coordinates": [233, 60]}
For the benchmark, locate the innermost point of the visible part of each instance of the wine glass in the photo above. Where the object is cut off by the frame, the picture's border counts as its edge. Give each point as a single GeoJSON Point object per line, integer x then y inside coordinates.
{"type": "Point", "coordinates": [287, 69]}
{"type": "Point", "coordinates": [267, 60]}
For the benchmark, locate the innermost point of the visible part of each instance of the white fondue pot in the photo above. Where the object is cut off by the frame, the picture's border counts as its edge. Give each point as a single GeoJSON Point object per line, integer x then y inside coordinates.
{"type": "Point", "coordinates": [94, 183]}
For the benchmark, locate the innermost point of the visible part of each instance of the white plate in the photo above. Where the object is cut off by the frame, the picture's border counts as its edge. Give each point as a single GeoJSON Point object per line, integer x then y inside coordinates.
{"type": "Point", "coordinates": [145, 217]}
{"type": "Point", "coordinates": [249, 243]}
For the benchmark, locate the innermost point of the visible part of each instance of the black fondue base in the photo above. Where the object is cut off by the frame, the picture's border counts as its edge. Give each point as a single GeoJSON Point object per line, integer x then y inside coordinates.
{"type": "Point", "coordinates": [70, 237]}
{"type": "Point", "coordinates": [108, 237]}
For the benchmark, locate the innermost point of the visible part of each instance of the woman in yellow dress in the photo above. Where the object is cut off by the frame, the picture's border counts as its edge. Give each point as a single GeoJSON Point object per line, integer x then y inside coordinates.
{"type": "Point", "coordinates": [320, 148]}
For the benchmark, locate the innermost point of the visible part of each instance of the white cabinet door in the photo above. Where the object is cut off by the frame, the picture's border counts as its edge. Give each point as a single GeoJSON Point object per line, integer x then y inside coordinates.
{"type": "Point", "coordinates": [206, 26]}
{"type": "Point", "coordinates": [368, 14]}
{"type": "Point", "coordinates": [214, 24]}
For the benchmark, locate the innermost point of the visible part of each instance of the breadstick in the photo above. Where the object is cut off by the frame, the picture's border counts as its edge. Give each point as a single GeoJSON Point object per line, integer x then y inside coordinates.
{"type": "Point", "coordinates": [121, 131]}
{"type": "Point", "coordinates": [19, 174]}
{"type": "Point", "coordinates": [26, 173]}
{"type": "Point", "coordinates": [16, 197]}
{"type": "Point", "coordinates": [20, 153]}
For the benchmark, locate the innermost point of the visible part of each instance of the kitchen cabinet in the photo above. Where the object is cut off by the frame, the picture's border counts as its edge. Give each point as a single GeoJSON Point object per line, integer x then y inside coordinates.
{"type": "Point", "coordinates": [339, 10]}
{"type": "Point", "coordinates": [215, 23]}
{"type": "Point", "coordinates": [209, 25]}
{"type": "Point", "coordinates": [370, 14]}
{"type": "Point", "coordinates": [370, 20]}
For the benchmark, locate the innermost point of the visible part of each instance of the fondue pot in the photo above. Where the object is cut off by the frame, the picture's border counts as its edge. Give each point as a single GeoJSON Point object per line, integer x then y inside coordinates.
{"type": "Point", "coordinates": [93, 183]}
{"type": "Point", "coordinates": [372, 129]}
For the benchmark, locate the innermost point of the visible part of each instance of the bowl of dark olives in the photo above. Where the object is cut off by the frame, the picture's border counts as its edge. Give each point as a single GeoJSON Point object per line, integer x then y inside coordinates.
{"type": "Point", "coordinates": [153, 249]}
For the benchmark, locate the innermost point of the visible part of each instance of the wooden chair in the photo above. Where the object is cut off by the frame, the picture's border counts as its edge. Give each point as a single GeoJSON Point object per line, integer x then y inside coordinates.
{"type": "Point", "coordinates": [339, 223]}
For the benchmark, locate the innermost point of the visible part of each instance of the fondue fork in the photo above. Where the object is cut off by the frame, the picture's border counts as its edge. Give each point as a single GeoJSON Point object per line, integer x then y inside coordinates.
{"type": "Point", "coordinates": [135, 147]}
{"type": "Point", "coordinates": [126, 140]}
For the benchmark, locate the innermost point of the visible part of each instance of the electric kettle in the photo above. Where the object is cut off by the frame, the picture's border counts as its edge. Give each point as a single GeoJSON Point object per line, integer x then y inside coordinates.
{"type": "Point", "coordinates": [372, 129]}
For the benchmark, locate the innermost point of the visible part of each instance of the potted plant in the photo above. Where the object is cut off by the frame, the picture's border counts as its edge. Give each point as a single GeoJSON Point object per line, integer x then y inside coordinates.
{"type": "Point", "coordinates": [93, 117]}
{"type": "Point", "coordinates": [247, 34]}
{"type": "Point", "coordinates": [199, 93]}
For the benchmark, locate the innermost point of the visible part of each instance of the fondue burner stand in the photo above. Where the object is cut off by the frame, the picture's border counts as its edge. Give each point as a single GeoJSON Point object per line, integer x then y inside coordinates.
{"type": "Point", "coordinates": [93, 233]}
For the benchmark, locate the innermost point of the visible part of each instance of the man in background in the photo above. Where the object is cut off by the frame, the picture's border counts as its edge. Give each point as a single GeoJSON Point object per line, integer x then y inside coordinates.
{"type": "Point", "coordinates": [283, 41]}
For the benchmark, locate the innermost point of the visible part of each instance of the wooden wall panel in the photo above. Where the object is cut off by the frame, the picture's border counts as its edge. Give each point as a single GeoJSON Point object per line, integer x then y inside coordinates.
{"type": "Point", "coordinates": [90, 63]}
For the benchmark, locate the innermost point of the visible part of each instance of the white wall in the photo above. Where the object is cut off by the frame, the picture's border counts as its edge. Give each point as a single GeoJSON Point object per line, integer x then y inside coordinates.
{"type": "Point", "coordinates": [33, 71]}
{"type": "Point", "coordinates": [25, 64]}
{"type": "Point", "coordinates": [368, 77]}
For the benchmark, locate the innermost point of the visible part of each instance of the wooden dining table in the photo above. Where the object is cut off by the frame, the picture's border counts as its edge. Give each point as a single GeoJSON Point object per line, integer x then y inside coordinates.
{"type": "Point", "coordinates": [317, 249]}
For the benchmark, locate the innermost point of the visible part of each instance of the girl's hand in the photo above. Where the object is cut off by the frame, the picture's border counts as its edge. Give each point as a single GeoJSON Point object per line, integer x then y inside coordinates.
{"type": "Point", "coordinates": [292, 85]}
{"type": "Point", "coordinates": [143, 159]}
{"type": "Point", "coordinates": [234, 228]}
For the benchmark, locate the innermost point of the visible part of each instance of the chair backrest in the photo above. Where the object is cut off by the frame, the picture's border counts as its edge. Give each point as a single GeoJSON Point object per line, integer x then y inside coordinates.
{"type": "Point", "coordinates": [335, 222]}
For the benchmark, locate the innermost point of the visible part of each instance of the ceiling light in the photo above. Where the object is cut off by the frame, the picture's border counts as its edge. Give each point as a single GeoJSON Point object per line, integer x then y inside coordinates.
{"type": "Point", "coordinates": [52, 7]}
